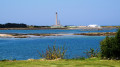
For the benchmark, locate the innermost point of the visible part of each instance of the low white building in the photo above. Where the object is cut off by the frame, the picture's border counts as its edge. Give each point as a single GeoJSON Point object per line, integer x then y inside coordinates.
{"type": "Point", "coordinates": [94, 25]}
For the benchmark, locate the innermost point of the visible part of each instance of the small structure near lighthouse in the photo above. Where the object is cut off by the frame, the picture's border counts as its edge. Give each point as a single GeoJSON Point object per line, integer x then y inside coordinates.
{"type": "Point", "coordinates": [57, 25]}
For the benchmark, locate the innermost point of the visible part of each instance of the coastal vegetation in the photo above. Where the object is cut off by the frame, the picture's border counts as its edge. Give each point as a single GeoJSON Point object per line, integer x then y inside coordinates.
{"type": "Point", "coordinates": [20, 26]}
{"type": "Point", "coordinates": [92, 53]}
{"type": "Point", "coordinates": [110, 47]}
{"type": "Point", "coordinates": [13, 25]}
{"type": "Point", "coordinates": [53, 53]}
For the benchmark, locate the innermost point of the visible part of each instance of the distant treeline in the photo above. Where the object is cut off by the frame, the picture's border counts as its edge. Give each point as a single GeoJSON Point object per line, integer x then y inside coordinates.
{"type": "Point", "coordinates": [20, 25]}
{"type": "Point", "coordinates": [13, 25]}
{"type": "Point", "coordinates": [40, 26]}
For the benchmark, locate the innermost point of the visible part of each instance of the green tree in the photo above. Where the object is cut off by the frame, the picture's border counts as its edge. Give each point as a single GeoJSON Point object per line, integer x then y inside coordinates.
{"type": "Point", "coordinates": [110, 47]}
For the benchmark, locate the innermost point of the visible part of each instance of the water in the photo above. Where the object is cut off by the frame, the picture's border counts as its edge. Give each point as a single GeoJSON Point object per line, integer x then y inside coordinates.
{"type": "Point", "coordinates": [23, 49]}
{"type": "Point", "coordinates": [56, 31]}
{"type": "Point", "coordinates": [26, 48]}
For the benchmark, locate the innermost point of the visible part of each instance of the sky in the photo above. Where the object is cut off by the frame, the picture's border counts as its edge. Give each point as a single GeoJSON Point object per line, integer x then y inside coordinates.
{"type": "Point", "coordinates": [70, 12]}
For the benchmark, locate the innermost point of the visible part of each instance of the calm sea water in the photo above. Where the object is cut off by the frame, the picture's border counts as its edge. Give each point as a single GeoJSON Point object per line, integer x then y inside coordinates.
{"type": "Point", "coordinates": [26, 48]}
{"type": "Point", "coordinates": [23, 49]}
{"type": "Point", "coordinates": [56, 31]}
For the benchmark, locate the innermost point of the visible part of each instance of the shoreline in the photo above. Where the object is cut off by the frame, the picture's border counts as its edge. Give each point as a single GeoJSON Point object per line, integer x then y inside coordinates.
{"type": "Point", "coordinates": [16, 35]}
{"type": "Point", "coordinates": [65, 28]}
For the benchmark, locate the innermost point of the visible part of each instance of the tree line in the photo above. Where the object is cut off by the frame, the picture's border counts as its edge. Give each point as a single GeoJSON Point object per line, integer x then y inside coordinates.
{"type": "Point", "coordinates": [20, 25]}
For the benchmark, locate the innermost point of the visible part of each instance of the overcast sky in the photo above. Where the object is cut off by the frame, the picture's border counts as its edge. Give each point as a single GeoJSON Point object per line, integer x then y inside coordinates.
{"type": "Point", "coordinates": [70, 12]}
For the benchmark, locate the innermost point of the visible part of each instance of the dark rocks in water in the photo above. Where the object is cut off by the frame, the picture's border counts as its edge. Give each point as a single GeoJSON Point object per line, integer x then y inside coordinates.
{"type": "Point", "coordinates": [98, 34]}
{"type": "Point", "coordinates": [21, 37]}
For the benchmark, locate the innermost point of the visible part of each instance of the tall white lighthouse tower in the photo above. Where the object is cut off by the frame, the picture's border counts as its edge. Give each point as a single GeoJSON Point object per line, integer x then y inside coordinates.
{"type": "Point", "coordinates": [56, 19]}
{"type": "Point", "coordinates": [57, 23]}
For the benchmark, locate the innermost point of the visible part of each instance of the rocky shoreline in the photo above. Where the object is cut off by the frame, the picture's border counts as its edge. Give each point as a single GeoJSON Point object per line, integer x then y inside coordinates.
{"type": "Point", "coordinates": [14, 35]}
{"type": "Point", "coordinates": [98, 34]}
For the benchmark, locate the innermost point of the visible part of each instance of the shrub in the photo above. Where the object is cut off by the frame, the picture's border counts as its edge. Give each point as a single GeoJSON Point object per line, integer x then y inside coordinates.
{"type": "Point", "coordinates": [110, 47]}
{"type": "Point", "coordinates": [53, 53]}
{"type": "Point", "coordinates": [92, 53]}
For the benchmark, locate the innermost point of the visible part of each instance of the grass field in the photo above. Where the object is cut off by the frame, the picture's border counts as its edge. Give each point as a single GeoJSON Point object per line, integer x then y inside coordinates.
{"type": "Point", "coordinates": [62, 63]}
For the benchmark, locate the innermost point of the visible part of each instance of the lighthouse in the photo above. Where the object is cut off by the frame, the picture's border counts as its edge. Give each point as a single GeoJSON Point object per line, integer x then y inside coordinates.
{"type": "Point", "coordinates": [57, 23]}
{"type": "Point", "coordinates": [56, 19]}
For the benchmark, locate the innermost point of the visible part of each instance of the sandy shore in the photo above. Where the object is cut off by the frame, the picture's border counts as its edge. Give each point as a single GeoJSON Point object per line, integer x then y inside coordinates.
{"type": "Point", "coordinates": [5, 35]}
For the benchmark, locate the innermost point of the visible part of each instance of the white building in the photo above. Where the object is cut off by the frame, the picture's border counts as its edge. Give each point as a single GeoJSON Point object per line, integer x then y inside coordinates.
{"type": "Point", "coordinates": [94, 26]}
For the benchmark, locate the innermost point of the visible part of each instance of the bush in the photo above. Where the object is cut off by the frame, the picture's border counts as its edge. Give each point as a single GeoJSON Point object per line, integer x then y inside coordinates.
{"type": "Point", "coordinates": [53, 53]}
{"type": "Point", "coordinates": [92, 53]}
{"type": "Point", "coordinates": [110, 47]}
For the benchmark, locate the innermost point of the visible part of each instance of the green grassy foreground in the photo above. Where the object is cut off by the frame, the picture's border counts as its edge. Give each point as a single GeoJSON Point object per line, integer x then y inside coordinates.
{"type": "Point", "coordinates": [62, 63]}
